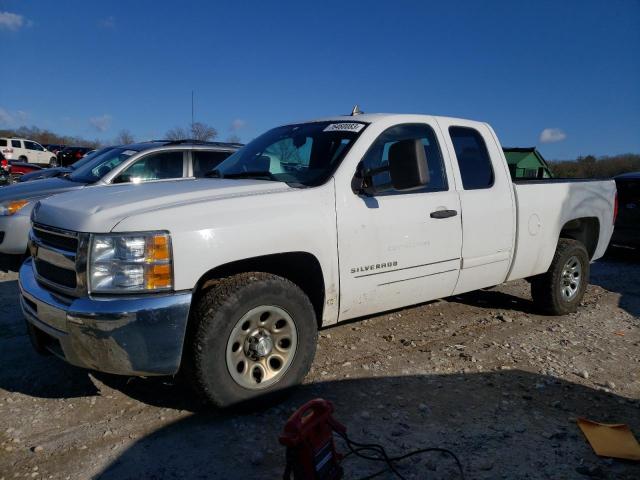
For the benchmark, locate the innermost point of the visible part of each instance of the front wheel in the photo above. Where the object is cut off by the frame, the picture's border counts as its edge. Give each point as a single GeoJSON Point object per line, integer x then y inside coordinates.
{"type": "Point", "coordinates": [251, 335]}
{"type": "Point", "coordinates": [53, 162]}
{"type": "Point", "coordinates": [559, 291]}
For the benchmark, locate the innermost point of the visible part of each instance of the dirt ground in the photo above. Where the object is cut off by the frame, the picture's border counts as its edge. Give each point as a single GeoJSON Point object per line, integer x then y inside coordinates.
{"type": "Point", "coordinates": [481, 374]}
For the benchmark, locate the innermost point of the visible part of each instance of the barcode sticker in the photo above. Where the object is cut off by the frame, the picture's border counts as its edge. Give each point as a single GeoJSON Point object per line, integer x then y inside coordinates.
{"type": "Point", "coordinates": [344, 127]}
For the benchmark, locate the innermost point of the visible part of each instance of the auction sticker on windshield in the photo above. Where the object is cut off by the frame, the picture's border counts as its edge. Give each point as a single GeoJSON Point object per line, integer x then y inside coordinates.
{"type": "Point", "coordinates": [344, 127]}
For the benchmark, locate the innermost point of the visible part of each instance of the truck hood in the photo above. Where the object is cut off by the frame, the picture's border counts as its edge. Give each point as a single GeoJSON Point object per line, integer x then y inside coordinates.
{"type": "Point", "coordinates": [37, 189]}
{"type": "Point", "coordinates": [99, 209]}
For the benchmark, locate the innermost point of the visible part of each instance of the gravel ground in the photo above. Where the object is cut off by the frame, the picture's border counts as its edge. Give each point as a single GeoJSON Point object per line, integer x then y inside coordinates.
{"type": "Point", "coordinates": [480, 374]}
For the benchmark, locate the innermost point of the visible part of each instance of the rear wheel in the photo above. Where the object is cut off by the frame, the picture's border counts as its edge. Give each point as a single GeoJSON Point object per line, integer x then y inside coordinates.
{"type": "Point", "coordinates": [560, 290]}
{"type": "Point", "coordinates": [252, 335]}
{"type": "Point", "coordinates": [22, 158]}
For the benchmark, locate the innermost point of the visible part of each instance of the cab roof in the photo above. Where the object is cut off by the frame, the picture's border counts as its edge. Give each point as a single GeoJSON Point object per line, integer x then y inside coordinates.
{"type": "Point", "coordinates": [377, 117]}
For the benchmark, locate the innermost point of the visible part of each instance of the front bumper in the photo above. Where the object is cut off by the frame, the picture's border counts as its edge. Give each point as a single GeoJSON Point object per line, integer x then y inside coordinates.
{"type": "Point", "coordinates": [16, 233]}
{"type": "Point", "coordinates": [141, 335]}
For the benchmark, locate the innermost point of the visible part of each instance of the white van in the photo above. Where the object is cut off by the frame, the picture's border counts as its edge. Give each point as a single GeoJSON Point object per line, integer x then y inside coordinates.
{"type": "Point", "coordinates": [26, 151]}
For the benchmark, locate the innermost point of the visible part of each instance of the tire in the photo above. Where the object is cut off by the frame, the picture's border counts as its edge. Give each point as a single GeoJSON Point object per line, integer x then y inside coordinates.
{"type": "Point", "coordinates": [559, 291]}
{"type": "Point", "coordinates": [22, 158]}
{"type": "Point", "coordinates": [218, 342]}
{"type": "Point", "coordinates": [53, 162]}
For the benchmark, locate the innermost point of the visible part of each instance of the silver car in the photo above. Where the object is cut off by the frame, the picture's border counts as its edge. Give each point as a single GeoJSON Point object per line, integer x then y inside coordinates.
{"type": "Point", "coordinates": [153, 161]}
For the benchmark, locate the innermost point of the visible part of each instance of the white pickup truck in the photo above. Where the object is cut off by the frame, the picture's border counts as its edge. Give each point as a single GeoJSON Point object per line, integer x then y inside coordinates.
{"type": "Point", "coordinates": [227, 279]}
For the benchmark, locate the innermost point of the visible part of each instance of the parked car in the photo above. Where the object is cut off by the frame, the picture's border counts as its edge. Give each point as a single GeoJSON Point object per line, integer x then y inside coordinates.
{"type": "Point", "coordinates": [228, 278]}
{"type": "Point", "coordinates": [69, 155]}
{"type": "Point", "coordinates": [136, 163]}
{"type": "Point", "coordinates": [13, 170]}
{"type": "Point", "coordinates": [54, 147]}
{"type": "Point", "coordinates": [59, 171]}
{"type": "Point", "coordinates": [25, 151]}
{"type": "Point", "coordinates": [627, 227]}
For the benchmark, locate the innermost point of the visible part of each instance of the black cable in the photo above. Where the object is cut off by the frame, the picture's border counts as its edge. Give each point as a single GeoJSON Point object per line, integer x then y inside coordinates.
{"type": "Point", "coordinates": [371, 446]}
{"type": "Point", "coordinates": [383, 457]}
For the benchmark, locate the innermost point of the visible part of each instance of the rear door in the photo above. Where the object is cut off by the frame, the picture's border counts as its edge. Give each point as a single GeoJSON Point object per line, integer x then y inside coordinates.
{"type": "Point", "coordinates": [487, 203]}
{"type": "Point", "coordinates": [395, 249]}
{"type": "Point", "coordinates": [31, 152]}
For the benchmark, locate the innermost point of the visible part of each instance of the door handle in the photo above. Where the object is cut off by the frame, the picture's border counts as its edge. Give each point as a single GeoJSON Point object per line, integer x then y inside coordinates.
{"type": "Point", "coordinates": [443, 214]}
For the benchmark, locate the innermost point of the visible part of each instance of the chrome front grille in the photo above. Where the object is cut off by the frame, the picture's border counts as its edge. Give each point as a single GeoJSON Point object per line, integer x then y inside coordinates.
{"type": "Point", "coordinates": [59, 259]}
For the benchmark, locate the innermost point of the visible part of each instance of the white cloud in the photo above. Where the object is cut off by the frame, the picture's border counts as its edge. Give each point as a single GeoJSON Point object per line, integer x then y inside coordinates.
{"type": "Point", "coordinates": [550, 135]}
{"type": "Point", "coordinates": [11, 21]}
{"type": "Point", "coordinates": [237, 124]}
{"type": "Point", "coordinates": [109, 22]}
{"type": "Point", "coordinates": [101, 123]}
{"type": "Point", "coordinates": [12, 119]}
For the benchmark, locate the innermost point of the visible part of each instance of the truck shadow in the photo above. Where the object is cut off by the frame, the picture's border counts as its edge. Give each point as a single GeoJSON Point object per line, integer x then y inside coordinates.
{"type": "Point", "coordinates": [10, 263]}
{"type": "Point", "coordinates": [23, 369]}
{"type": "Point", "coordinates": [508, 424]}
{"type": "Point", "coordinates": [495, 299]}
{"type": "Point", "coordinates": [619, 271]}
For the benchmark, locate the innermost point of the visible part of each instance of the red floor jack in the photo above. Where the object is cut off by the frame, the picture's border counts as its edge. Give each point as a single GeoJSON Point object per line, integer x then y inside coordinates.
{"type": "Point", "coordinates": [308, 436]}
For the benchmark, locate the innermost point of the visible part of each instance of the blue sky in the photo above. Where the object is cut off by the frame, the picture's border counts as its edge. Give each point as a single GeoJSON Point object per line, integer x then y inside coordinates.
{"type": "Point", "coordinates": [563, 75]}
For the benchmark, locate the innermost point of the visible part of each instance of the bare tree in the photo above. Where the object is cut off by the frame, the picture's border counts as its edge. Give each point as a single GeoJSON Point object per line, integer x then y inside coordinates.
{"type": "Point", "coordinates": [124, 137]}
{"type": "Point", "coordinates": [176, 133]}
{"type": "Point", "coordinates": [198, 131]}
{"type": "Point", "coordinates": [203, 132]}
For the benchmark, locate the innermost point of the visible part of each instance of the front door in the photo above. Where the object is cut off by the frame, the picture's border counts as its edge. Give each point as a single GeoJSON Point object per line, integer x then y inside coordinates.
{"type": "Point", "coordinates": [398, 248]}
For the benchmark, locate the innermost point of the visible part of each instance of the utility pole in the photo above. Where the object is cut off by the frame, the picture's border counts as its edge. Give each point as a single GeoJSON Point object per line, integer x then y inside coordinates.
{"type": "Point", "coordinates": [192, 110]}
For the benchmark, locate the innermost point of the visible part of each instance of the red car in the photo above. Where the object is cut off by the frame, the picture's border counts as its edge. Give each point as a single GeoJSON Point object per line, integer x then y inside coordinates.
{"type": "Point", "coordinates": [10, 170]}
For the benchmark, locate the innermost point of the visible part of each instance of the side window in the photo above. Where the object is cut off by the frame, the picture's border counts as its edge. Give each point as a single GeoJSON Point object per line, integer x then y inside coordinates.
{"type": "Point", "coordinates": [473, 158]}
{"type": "Point", "coordinates": [38, 147]}
{"type": "Point", "coordinates": [376, 160]}
{"type": "Point", "coordinates": [157, 166]}
{"type": "Point", "coordinates": [3, 142]}
{"type": "Point", "coordinates": [204, 161]}
{"type": "Point", "coordinates": [29, 145]}
{"type": "Point", "coordinates": [16, 143]}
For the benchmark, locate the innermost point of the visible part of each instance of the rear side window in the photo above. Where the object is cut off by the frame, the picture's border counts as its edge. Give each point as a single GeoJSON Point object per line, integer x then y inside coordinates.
{"type": "Point", "coordinates": [473, 158]}
{"type": "Point", "coordinates": [204, 161]}
{"type": "Point", "coordinates": [16, 143]}
{"type": "Point", "coordinates": [3, 142]}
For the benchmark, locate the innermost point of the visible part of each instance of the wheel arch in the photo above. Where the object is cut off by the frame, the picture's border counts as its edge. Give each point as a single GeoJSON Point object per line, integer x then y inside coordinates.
{"type": "Point", "coordinates": [586, 230]}
{"type": "Point", "coordinates": [301, 268]}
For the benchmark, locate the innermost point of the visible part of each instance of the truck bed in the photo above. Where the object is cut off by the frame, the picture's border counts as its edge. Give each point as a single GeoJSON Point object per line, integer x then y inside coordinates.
{"type": "Point", "coordinates": [547, 206]}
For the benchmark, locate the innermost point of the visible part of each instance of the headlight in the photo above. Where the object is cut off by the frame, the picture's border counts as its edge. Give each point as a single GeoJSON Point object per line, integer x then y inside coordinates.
{"type": "Point", "coordinates": [11, 207]}
{"type": "Point", "coordinates": [132, 262]}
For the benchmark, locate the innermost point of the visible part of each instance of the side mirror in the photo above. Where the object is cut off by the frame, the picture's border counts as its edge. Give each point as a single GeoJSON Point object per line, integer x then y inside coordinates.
{"type": "Point", "coordinates": [408, 165]}
{"type": "Point", "coordinates": [361, 183]}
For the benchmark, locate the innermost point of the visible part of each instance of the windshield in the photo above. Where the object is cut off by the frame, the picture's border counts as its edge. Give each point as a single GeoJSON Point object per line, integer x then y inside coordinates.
{"type": "Point", "coordinates": [306, 154]}
{"type": "Point", "coordinates": [101, 164]}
